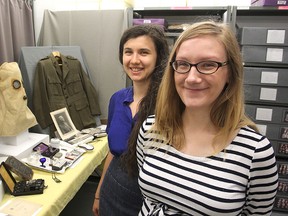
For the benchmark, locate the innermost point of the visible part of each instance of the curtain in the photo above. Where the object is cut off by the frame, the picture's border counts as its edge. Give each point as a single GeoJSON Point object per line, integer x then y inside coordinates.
{"type": "Point", "coordinates": [16, 28]}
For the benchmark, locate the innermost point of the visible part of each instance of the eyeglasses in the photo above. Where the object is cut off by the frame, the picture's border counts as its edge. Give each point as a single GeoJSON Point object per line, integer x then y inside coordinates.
{"type": "Point", "coordinates": [204, 67]}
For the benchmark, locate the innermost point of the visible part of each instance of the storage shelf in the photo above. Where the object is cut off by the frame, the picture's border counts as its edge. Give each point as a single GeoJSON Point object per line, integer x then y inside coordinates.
{"type": "Point", "coordinates": [182, 15]}
{"type": "Point", "coordinates": [269, 65]}
{"type": "Point", "coordinates": [181, 11]}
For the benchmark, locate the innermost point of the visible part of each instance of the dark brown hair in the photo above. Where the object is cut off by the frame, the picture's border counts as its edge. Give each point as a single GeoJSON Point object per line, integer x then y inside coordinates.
{"type": "Point", "coordinates": [147, 104]}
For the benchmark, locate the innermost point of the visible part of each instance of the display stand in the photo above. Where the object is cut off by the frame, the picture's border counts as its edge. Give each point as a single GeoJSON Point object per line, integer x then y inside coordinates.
{"type": "Point", "coordinates": [15, 140]}
{"type": "Point", "coordinates": [23, 149]}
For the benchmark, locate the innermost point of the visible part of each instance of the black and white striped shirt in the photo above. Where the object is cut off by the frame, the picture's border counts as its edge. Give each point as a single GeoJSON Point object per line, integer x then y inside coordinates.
{"type": "Point", "coordinates": [242, 180]}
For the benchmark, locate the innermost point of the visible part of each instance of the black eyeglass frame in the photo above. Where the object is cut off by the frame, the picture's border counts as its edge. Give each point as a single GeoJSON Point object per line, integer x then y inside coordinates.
{"type": "Point", "coordinates": [220, 64]}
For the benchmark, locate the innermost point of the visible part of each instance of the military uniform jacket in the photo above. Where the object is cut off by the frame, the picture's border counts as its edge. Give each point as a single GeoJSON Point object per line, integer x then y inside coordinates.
{"type": "Point", "coordinates": [57, 86]}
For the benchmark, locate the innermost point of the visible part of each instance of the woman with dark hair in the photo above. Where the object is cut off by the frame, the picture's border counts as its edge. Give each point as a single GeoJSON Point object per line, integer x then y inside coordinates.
{"type": "Point", "coordinates": [143, 52]}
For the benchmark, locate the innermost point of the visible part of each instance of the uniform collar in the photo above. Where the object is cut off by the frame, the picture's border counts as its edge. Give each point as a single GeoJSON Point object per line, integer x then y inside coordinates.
{"type": "Point", "coordinates": [63, 69]}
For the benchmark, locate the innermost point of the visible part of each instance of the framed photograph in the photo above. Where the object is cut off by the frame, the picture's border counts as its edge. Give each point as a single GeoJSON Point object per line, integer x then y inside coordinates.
{"type": "Point", "coordinates": [63, 123]}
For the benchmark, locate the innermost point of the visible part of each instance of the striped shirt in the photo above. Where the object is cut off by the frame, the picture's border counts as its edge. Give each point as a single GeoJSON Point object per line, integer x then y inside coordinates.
{"type": "Point", "coordinates": [242, 180]}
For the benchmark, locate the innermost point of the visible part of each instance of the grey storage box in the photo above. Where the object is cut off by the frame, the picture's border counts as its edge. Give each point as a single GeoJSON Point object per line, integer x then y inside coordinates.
{"type": "Point", "coordinates": [280, 148]}
{"type": "Point", "coordinates": [266, 76]}
{"type": "Point", "coordinates": [263, 36]}
{"type": "Point", "coordinates": [265, 54]}
{"type": "Point", "coordinates": [266, 95]}
{"type": "Point", "coordinates": [277, 132]}
{"type": "Point", "coordinates": [268, 114]}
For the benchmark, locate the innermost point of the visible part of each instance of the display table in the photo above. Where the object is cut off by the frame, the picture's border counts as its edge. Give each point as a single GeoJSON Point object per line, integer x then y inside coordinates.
{"type": "Point", "coordinates": [57, 195]}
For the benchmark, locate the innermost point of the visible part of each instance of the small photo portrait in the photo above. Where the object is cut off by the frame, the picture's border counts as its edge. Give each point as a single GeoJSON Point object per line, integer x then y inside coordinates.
{"type": "Point", "coordinates": [63, 123]}
{"type": "Point", "coordinates": [284, 133]}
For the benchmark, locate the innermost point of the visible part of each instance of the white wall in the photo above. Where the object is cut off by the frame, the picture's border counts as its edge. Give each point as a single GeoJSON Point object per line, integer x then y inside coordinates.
{"type": "Point", "coordinates": [68, 5]}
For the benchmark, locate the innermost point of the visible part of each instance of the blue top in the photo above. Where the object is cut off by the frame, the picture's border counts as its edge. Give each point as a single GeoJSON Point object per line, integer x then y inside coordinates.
{"type": "Point", "coordinates": [120, 121]}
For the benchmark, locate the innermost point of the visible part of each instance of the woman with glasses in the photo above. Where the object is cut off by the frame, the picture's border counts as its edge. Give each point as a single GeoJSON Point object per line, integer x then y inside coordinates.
{"type": "Point", "coordinates": [200, 154]}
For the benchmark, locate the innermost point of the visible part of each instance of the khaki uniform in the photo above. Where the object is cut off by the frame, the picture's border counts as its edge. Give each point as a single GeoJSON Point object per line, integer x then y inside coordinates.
{"type": "Point", "coordinates": [64, 85]}
{"type": "Point", "coordinates": [15, 116]}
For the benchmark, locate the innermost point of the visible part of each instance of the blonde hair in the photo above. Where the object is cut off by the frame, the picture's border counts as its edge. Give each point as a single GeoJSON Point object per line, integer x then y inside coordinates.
{"type": "Point", "coordinates": [227, 113]}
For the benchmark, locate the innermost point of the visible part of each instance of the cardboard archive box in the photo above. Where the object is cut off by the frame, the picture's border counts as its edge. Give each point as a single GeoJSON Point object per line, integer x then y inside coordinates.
{"type": "Point", "coordinates": [265, 54]}
{"type": "Point", "coordinates": [265, 76]}
{"type": "Point", "coordinates": [263, 36]}
{"type": "Point", "coordinates": [267, 114]}
{"type": "Point", "coordinates": [276, 96]}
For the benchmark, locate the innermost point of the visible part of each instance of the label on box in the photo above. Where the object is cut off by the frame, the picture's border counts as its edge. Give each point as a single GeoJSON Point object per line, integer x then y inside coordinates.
{"type": "Point", "coordinates": [268, 94]}
{"type": "Point", "coordinates": [264, 114]}
{"type": "Point", "coordinates": [274, 54]}
{"type": "Point", "coordinates": [160, 22]}
{"type": "Point", "coordinates": [276, 36]}
{"type": "Point", "coordinates": [269, 77]}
